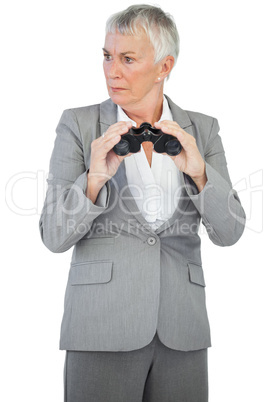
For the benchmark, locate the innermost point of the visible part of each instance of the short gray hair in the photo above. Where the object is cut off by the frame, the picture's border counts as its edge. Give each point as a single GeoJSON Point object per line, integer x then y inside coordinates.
{"type": "Point", "coordinates": [158, 25]}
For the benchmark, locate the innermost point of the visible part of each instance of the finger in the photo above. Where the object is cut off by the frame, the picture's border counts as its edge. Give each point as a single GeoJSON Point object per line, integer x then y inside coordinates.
{"type": "Point", "coordinates": [119, 128]}
{"type": "Point", "coordinates": [187, 141]}
{"type": "Point", "coordinates": [167, 123]}
{"type": "Point", "coordinates": [102, 148]}
{"type": "Point", "coordinates": [111, 137]}
{"type": "Point", "coordinates": [169, 127]}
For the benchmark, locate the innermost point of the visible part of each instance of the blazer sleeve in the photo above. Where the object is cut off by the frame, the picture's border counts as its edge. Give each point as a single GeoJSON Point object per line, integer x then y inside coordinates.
{"type": "Point", "coordinates": [218, 203]}
{"type": "Point", "coordinates": [68, 214]}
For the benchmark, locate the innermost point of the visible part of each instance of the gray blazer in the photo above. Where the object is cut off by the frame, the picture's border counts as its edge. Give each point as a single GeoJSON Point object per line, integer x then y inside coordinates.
{"type": "Point", "coordinates": [126, 281]}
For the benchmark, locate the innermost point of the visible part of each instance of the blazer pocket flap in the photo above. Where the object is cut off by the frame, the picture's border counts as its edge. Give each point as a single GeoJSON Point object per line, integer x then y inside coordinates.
{"type": "Point", "coordinates": [102, 241]}
{"type": "Point", "coordinates": [88, 273]}
{"type": "Point", "coordinates": [196, 274]}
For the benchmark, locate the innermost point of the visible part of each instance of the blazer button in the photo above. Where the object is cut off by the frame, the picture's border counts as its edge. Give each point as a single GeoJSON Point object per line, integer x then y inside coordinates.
{"type": "Point", "coordinates": [151, 241]}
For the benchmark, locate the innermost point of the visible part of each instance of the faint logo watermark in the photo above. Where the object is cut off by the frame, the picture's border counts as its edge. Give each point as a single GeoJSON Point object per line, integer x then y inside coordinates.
{"type": "Point", "coordinates": [26, 193]}
{"type": "Point", "coordinates": [251, 190]}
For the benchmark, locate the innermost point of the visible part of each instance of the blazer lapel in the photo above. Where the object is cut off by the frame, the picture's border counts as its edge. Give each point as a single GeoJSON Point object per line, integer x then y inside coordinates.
{"type": "Point", "coordinates": [121, 186]}
{"type": "Point", "coordinates": [108, 116]}
{"type": "Point", "coordinates": [182, 118]}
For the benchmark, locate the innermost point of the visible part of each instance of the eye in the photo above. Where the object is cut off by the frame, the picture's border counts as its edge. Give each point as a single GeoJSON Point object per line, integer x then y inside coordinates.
{"type": "Point", "coordinates": [128, 60]}
{"type": "Point", "coordinates": [107, 56]}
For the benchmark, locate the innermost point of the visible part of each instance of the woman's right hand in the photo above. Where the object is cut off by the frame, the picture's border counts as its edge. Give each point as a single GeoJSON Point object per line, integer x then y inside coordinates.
{"type": "Point", "coordinates": [104, 161]}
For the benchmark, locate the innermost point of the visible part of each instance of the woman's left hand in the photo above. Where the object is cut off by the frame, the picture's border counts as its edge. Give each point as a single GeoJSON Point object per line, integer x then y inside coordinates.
{"type": "Point", "coordinates": [189, 159]}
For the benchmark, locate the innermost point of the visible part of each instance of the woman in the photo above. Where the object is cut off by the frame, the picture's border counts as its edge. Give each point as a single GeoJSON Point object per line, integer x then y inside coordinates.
{"type": "Point", "coordinates": [135, 325]}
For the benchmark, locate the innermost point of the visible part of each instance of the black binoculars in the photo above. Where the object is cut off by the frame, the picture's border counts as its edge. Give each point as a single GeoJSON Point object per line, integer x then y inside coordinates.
{"type": "Point", "coordinates": [132, 140]}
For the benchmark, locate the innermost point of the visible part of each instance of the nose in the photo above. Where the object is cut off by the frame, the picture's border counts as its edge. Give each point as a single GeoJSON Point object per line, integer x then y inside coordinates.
{"type": "Point", "coordinates": [114, 70]}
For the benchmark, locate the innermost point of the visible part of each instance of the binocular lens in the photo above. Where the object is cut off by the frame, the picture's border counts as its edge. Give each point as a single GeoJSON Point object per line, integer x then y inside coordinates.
{"type": "Point", "coordinates": [173, 147]}
{"type": "Point", "coordinates": [122, 148]}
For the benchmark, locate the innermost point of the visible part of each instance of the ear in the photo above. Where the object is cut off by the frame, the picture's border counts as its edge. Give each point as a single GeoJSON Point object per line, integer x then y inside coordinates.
{"type": "Point", "coordinates": [165, 67]}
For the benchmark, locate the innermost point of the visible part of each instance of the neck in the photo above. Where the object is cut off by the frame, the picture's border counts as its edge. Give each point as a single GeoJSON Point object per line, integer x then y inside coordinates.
{"type": "Point", "coordinates": [146, 111]}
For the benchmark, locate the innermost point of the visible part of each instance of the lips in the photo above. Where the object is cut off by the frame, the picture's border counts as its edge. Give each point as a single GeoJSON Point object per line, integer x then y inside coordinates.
{"type": "Point", "coordinates": [117, 89]}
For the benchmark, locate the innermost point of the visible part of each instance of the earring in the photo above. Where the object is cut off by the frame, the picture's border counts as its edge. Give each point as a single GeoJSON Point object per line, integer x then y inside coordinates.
{"type": "Point", "coordinates": [159, 78]}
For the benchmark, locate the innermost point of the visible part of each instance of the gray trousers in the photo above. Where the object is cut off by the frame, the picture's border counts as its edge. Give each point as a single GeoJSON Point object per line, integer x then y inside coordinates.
{"type": "Point", "coordinates": [154, 373]}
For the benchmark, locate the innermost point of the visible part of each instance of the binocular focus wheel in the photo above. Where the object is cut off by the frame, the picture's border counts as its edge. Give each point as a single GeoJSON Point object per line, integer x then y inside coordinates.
{"type": "Point", "coordinates": [173, 147]}
{"type": "Point", "coordinates": [122, 148]}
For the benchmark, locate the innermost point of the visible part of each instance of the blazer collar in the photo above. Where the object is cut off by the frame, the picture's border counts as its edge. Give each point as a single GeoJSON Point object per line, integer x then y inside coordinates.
{"type": "Point", "coordinates": [108, 116]}
{"type": "Point", "coordinates": [108, 113]}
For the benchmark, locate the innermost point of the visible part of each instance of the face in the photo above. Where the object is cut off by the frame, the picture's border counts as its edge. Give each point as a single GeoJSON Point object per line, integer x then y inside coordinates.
{"type": "Point", "coordinates": [130, 72]}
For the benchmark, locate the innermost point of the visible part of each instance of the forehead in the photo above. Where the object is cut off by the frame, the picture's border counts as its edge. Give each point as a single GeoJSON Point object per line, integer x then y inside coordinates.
{"type": "Point", "coordinates": [118, 43]}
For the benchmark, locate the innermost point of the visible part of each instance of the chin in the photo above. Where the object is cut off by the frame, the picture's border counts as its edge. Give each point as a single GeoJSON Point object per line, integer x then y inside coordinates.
{"type": "Point", "coordinates": [119, 99]}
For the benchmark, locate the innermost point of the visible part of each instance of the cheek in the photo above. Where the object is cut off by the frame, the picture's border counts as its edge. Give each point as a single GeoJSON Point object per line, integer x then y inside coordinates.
{"type": "Point", "coordinates": [143, 81]}
{"type": "Point", "coordinates": [105, 70]}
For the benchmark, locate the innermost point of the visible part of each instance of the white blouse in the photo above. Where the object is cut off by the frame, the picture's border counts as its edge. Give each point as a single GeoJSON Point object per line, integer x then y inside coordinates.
{"type": "Point", "coordinates": [156, 189]}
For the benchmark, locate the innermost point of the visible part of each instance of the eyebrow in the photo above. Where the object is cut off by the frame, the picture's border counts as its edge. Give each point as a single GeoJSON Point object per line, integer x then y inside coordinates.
{"type": "Point", "coordinates": [123, 53]}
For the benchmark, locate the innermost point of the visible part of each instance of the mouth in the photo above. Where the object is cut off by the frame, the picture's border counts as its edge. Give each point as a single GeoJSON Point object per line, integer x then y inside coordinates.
{"type": "Point", "coordinates": [113, 89]}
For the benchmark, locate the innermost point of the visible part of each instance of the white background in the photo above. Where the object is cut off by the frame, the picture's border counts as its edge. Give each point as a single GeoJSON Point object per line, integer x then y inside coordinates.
{"type": "Point", "coordinates": [52, 60]}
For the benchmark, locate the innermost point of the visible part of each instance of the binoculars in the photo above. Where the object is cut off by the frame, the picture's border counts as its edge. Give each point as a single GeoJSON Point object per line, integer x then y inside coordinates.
{"type": "Point", "coordinates": [132, 140]}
